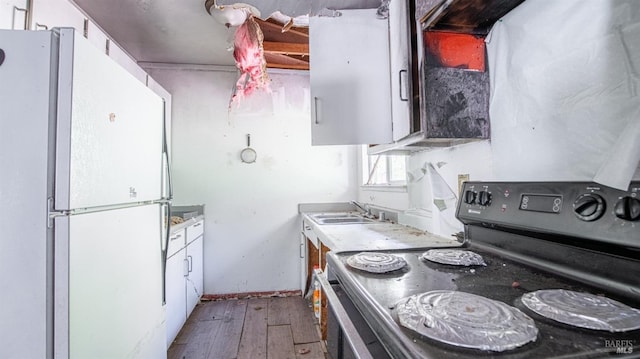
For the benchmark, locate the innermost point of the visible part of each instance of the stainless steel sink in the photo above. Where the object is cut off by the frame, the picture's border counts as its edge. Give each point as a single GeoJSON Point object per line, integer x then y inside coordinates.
{"type": "Point", "coordinates": [340, 218]}
{"type": "Point", "coordinates": [345, 220]}
{"type": "Point", "coordinates": [336, 215]}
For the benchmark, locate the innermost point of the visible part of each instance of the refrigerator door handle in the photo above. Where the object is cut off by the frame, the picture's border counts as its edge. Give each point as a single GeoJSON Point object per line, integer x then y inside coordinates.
{"type": "Point", "coordinates": [165, 249]}
{"type": "Point", "coordinates": [165, 149]}
{"type": "Point", "coordinates": [190, 259]}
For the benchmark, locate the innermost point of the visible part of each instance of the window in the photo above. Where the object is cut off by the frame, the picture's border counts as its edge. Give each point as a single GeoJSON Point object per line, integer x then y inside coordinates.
{"type": "Point", "coordinates": [384, 170]}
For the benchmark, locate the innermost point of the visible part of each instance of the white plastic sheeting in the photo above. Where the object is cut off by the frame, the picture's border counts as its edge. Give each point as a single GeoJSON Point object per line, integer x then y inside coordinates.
{"type": "Point", "coordinates": [565, 83]}
{"type": "Point", "coordinates": [443, 209]}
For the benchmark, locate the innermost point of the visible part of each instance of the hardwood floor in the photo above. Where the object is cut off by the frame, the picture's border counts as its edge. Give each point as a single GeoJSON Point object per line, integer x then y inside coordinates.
{"type": "Point", "coordinates": [260, 328]}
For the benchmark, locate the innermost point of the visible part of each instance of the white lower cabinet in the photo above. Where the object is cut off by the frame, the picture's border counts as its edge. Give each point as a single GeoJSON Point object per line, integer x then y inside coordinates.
{"type": "Point", "coordinates": [195, 280]}
{"type": "Point", "coordinates": [176, 299]}
{"type": "Point", "coordinates": [184, 276]}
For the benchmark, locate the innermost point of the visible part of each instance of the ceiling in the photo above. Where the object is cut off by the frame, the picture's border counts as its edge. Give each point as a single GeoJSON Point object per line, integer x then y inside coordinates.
{"type": "Point", "coordinates": [182, 32]}
{"type": "Point", "coordinates": [164, 31]}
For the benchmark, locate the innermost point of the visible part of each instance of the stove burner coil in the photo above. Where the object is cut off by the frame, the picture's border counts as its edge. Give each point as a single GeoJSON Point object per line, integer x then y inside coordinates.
{"type": "Point", "coordinates": [376, 262]}
{"type": "Point", "coordinates": [466, 320]}
{"type": "Point", "coordinates": [583, 310]}
{"type": "Point", "coordinates": [456, 257]}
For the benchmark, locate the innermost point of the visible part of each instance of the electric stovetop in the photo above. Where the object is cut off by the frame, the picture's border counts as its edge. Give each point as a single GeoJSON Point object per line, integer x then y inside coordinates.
{"type": "Point", "coordinates": [375, 296]}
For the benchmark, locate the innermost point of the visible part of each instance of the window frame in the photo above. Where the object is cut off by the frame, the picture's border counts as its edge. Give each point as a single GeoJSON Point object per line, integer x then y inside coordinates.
{"type": "Point", "coordinates": [368, 163]}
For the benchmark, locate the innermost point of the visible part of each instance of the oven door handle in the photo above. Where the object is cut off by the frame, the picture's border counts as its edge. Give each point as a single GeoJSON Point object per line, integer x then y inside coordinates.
{"type": "Point", "coordinates": [350, 332]}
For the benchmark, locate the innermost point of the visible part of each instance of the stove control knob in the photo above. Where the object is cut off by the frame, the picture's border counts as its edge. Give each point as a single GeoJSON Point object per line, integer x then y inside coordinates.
{"type": "Point", "coordinates": [589, 207]}
{"type": "Point", "coordinates": [469, 197]}
{"type": "Point", "coordinates": [628, 208]}
{"type": "Point", "coordinates": [484, 198]}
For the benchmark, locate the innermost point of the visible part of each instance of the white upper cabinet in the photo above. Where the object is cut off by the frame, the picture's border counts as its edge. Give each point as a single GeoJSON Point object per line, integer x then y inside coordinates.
{"type": "Point", "coordinates": [350, 79]}
{"type": "Point", "coordinates": [47, 14]}
{"type": "Point", "coordinates": [399, 51]}
{"type": "Point", "coordinates": [96, 36]}
{"type": "Point", "coordinates": [13, 14]}
{"type": "Point", "coordinates": [124, 60]}
{"type": "Point", "coordinates": [56, 13]}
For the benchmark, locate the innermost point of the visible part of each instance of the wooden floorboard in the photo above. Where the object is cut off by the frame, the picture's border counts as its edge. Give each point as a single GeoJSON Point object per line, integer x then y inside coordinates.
{"type": "Point", "coordinates": [303, 323]}
{"type": "Point", "coordinates": [227, 341]}
{"type": "Point", "coordinates": [259, 328]}
{"type": "Point", "coordinates": [280, 342]}
{"type": "Point", "coordinates": [278, 311]}
{"type": "Point", "coordinates": [210, 310]}
{"type": "Point", "coordinates": [200, 344]}
{"type": "Point", "coordinates": [176, 351]}
{"type": "Point", "coordinates": [253, 343]}
{"type": "Point", "coordinates": [186, 333]}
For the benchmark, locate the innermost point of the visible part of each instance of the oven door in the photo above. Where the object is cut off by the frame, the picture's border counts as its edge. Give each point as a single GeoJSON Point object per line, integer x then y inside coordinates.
{"type": "Point", "coordinates": [348, 334]}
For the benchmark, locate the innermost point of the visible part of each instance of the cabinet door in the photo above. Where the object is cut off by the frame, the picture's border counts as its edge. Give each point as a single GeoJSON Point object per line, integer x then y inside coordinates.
{"type": "Point", "coordinates": [195, 230]}
{"type": "Point", "coordinates": [13, 14]}
{"type": "Point", "coordinates": [349, 78]}
{"type": "Point", "coordinates": [304, 273]}
{"type": "Point", "coordinates": [127, 62]}
{"type": "Point", "coordinates": [48, 14]}
{"type": "Point", "coordinates": [176, 297]}
{"type": "Point", "coordinates": [97, 37]}
{"type": "Point", "coordinates": [195, 278]}
{"type": "Point", "coordinates": [176, 242]}
{"type": "Point", "coordinates": [400, 71]}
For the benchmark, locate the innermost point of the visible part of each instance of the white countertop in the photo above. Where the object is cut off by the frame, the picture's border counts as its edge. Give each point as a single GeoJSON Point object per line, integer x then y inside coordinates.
{"type": "Point", "coordinates": [186, 223]}
{"type": "Point", "coordinates": [376, 236]}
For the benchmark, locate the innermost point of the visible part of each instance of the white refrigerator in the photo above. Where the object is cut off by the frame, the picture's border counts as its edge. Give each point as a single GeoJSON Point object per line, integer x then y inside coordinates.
{"type": "Point", "coordinates": [84, 203]}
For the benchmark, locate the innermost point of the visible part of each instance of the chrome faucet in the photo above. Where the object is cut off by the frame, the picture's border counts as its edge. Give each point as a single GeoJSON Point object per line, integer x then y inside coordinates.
{"type": "Point", "coordinates": [365, 208]}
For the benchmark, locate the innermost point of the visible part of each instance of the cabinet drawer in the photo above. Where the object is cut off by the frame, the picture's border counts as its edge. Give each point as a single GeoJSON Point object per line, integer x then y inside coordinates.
{"type": "Point", "coordinates": [177, 241]}
{"type": "Point", "coordinates": [195, 230]}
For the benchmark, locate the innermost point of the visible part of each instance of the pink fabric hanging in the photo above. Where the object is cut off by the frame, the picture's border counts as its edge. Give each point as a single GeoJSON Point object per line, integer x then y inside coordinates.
{"type": "Point", "coordinates": [249, 55]}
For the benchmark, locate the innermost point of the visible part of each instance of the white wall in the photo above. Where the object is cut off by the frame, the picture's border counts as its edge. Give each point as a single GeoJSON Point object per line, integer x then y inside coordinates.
{"type": "Point", "coordinates": [251, 222]}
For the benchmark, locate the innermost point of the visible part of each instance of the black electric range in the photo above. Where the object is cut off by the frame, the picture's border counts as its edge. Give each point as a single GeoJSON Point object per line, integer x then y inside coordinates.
{"type": "Point", "coordinates": [582, 237]}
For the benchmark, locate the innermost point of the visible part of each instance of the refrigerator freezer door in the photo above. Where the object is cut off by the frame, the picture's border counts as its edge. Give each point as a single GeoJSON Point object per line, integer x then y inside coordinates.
{"type": "Point", "coordinates": [109, 139]}
{"type": "Point", "coordinates": [25, 282]}
{"type": "Point", "coordinates": [114, 283]}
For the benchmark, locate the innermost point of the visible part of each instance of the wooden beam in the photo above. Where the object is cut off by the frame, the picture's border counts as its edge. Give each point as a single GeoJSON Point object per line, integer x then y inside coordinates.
{"type": "Point", "coordinates": [286, 62]}
{"type": "Point", "coordinates": [302, 32]}
{"type": "Point", "coordinates": [288, 66]}
{"type": "Point", "coordinates": [285, 48]}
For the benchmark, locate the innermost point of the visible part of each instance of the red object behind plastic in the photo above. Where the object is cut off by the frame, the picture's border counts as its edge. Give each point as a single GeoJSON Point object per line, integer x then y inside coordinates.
{"type": "Point", "coordinates": [448, 49]}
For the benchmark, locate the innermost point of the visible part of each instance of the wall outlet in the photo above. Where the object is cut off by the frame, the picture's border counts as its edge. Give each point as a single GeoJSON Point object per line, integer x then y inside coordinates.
{"type": "Point", "coordinates": [462, 178]}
